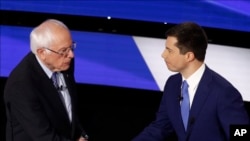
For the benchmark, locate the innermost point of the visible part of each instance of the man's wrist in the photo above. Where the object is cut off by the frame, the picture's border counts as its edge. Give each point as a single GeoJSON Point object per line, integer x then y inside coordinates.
{"type": "Point", "coordinates": [84, 135]}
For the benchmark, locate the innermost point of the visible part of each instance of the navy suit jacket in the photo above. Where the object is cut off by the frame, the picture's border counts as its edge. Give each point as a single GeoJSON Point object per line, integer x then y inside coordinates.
{"type": "Point", "coordinates": [216, 105]}
{"type": "Point", "coordinates": [34, 108]}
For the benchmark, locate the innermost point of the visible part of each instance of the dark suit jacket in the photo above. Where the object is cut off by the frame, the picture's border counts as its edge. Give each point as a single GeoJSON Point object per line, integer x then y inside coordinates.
{"type": "Point", "coordinates": [34, 109]}
{"type": "Point", "coordinates": [216, 105]}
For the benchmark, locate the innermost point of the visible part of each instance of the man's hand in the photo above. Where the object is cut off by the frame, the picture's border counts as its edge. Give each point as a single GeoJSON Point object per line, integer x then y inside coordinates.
{"type": "Point", "coordinates": [82, 139]}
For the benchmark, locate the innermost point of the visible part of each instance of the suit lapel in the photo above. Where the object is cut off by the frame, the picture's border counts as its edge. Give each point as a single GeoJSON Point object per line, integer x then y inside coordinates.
{"type": "Point", "coordinates": [69, 80]}
{"type": "Point", "coordinates": [173, 98]}
{"type": "Point", "coordinates": [179, 122]}
{"type": "Point", "coordinates": [70, 90]}
{"type": "Point", "coordinates": [200, 98]}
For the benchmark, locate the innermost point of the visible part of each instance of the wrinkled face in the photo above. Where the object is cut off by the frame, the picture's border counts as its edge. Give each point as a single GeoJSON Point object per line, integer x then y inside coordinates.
{"type": "Point", "coordinates": [175, 61]}
{"type": "Point", "coordinates": [58, 56]}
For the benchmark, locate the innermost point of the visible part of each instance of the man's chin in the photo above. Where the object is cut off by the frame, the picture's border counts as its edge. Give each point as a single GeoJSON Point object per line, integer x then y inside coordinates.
{"type": "Point", "coordinates": [64, 68]}
{"type": "Point", "coordinates": [171, 69]}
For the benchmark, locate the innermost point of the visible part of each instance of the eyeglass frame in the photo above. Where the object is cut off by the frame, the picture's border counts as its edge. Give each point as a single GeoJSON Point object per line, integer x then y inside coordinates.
{"type": "Point", "coordinates": [67, 49]}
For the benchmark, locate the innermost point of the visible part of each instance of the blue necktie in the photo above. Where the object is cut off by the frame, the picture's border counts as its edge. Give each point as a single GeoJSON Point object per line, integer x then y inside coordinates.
{"type": "Point", "coordinates": [185, 104]}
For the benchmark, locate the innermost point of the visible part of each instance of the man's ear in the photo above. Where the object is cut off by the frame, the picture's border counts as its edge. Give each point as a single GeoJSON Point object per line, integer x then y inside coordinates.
{"type": "Point", "coordinates": [41, 53]}
{"type": "Point", "coordinates": [190, 56]}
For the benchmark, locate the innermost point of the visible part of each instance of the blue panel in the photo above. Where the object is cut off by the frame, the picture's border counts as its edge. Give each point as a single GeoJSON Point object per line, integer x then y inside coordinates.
{"type": "Point", "coordinates": [227, 14]}
{"type": "Point", "coordinates": [14, 44]}
{"type": "Point", "coordinates": [103, 59]}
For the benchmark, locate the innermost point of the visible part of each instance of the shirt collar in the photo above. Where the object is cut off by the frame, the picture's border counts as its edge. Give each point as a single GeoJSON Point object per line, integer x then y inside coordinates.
{"type": "Point", "coordinates": [195, 78]}
{"type": "Point", "coordinates": [45, 69]}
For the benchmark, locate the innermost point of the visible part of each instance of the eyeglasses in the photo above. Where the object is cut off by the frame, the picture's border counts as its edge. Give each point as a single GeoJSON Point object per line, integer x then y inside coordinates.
{"type": "Point", "coordinates": [64, 51]}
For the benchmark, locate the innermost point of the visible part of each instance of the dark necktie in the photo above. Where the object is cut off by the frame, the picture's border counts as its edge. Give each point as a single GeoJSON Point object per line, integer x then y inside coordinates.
{"type": "Point", "coordinates": [56, 84]}
{"type": "Point", "coordinates": [54, 79]}
{"type": "Point", "coordinates": [64, 96]}
{"type": "Point", "coordinates": [185, 106]}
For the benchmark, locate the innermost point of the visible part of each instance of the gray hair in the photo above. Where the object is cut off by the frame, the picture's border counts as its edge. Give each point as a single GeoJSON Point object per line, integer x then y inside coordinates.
{"type": "Point", "coordinates": [42, 35]}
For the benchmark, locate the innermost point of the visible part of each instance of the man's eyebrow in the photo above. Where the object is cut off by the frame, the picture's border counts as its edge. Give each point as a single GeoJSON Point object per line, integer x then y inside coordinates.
{"type": "Point", "coordinates": [168, 48]}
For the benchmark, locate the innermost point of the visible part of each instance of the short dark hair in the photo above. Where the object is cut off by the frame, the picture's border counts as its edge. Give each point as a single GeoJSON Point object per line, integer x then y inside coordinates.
{"type": "Point", "coordinates": [190, 37]}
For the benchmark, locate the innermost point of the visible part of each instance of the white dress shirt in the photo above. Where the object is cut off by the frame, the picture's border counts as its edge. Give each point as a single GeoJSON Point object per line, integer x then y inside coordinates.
{"type": "Point", "coordinates": [193, 82]}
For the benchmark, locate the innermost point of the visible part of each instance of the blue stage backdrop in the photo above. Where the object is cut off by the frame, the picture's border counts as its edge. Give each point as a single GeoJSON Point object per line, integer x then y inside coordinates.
{"type": "Point", "coordinates": [223, 14]}
{"type": "Point", "coordinates": [126, 61]}
{"type": "Point", "coordinates": [134, 61]}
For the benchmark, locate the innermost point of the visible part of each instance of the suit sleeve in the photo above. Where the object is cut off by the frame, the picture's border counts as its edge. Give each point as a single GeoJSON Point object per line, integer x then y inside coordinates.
{"type": "Point", "coordinates": [161, 127]}
{"type": "Point", "coordinates": [158, 130]}
{"type": "Point", "coordinates": [231, 109]}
